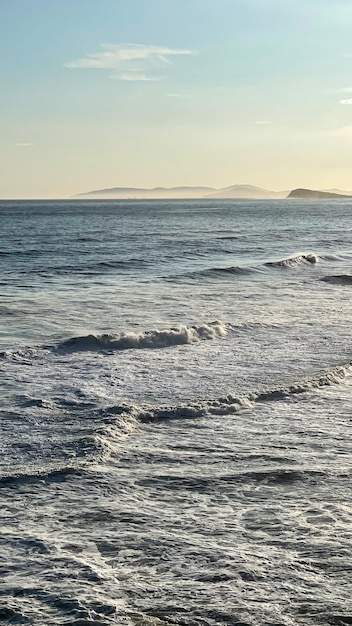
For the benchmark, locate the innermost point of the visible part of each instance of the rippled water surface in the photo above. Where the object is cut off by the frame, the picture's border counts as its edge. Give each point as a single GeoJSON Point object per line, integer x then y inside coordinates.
{"type": "Point", "coordinates": [176, 413]}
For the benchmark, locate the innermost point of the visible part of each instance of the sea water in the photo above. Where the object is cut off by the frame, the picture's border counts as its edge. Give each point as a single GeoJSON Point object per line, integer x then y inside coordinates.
{"type": "Point", "coordinates": [176, 413]}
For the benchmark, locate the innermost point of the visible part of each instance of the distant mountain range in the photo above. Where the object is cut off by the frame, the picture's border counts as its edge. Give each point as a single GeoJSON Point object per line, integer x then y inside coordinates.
{"type": "Point", "coordinates": [234, 191]}
{"type": "Point", "coordinates": [155, 193]}
{"type": "Point", "coordinates": [246, 191]}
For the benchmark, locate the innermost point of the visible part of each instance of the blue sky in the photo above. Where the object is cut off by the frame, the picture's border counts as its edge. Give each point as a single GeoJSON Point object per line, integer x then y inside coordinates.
{"type": "Point", "coordinates": [174, 92]}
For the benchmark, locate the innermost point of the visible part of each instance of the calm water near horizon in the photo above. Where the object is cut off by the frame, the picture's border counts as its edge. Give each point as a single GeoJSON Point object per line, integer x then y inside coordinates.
{"type": "Point", "coordinates": [176, 413]}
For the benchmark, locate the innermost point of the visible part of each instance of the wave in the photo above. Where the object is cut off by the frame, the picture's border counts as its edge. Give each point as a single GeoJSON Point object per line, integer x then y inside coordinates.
{"type": "Point", "coordinates": [85, 269]}
{"type": "Point", "coordinates": [231, 404]}
{"type": "Point", "coordinates": [338, 279]}
{"type": "Point", "coordinates": [325, 379]}
{"type": "Point", "coordinates": [111, 424]}
{"type": "Point", "coordinates": [120, 420]}
{"type": "Point", "coordinates": [206, 484]}
{"type": "Point", "coordinates": [145, 340]}
{"type": "Point", "coordinates": [89, 269]}
{"type": "Point", "coordinates": [93, 447]}
{"type": "Point", "coordinates": [49, 475]}
{"type": "Point", "coordinates": [295, 261]}
{"type": "Point", "coordinates": [215, 272]}
{"type": "Point", "coordinates": [23, 355]}
{"type": "Point", "coordinates": [155, 339]}
{"type": "Point", "coordinates": [233, 269]}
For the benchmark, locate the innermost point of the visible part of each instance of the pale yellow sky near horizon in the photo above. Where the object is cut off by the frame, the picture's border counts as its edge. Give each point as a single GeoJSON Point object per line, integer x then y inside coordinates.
{"type": "Point", "coordinates": [212, 93]}
{"type": "Point", "coordinates": [267, 156]}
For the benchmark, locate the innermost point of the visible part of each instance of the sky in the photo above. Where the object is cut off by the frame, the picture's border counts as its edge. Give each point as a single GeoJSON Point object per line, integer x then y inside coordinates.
{"type": "Point", "coordinates": [144, 93]}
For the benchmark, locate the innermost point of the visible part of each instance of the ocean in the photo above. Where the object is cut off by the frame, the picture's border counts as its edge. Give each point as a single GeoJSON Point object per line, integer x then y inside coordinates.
{"type": "Point", "coordinates": [175, 412]}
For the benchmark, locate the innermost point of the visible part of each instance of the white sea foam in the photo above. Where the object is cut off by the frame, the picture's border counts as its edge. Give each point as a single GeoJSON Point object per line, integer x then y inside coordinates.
{"type": "Point", "coordinates": [296, 260]}
{"type": "Point", "coordinates": [236, 480]}
{"type": "Point", "coordinates": [232, 404]}
{"type": "Point", "coordinates": [145, 340]}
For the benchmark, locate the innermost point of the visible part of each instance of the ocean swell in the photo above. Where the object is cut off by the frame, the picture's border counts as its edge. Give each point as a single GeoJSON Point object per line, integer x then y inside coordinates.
{"type": "Point", "coordinates": [144, 340]}
{"type": "Point", "coordinates": [217, 272]}
{"type": "Point", "coordinates": [294, 262]}
{"type": "Point", "coordinates": [338, 279]}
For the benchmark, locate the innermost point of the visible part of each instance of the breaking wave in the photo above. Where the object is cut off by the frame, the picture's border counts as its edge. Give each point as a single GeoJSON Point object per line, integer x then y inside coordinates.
{"type": "Point", "coordinates": [144, 340]}
{"type": "Point", "coordinates": [111, 424]}
{"type": "Point", "coordinates": [294, 261]}
{"type": "Point", "coordinates": [231, 404]}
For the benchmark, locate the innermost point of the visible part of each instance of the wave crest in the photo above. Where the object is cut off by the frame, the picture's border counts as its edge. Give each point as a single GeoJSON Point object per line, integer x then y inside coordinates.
{"type": "Point", "coordinates": [119, 421]}
{"type": "Point", "coordinates": [223, 272]}
{"type": "Point", "coordinates": [145, 340]}
{"type": "Point", "coordinates": [295, 261]}
{"type": "Point", "coordinates": [231, 404]}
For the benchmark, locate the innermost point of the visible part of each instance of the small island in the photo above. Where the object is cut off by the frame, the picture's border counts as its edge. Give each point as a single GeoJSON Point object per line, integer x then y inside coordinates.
{"type": "Point", "coordinates": [312, 194]}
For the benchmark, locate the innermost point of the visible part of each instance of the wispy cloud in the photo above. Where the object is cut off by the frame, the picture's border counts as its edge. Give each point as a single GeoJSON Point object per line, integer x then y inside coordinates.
{"type": "Point", "coordinates": [347, 101]}
{"type": "Point", "coordinates": [24, 144]}
{"type": "Point", "coordinates": [133, 76]}
{"type": "Point", "coordinates": [263, 123]}
{"type": "Point", "coordinates": [131, 62]}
